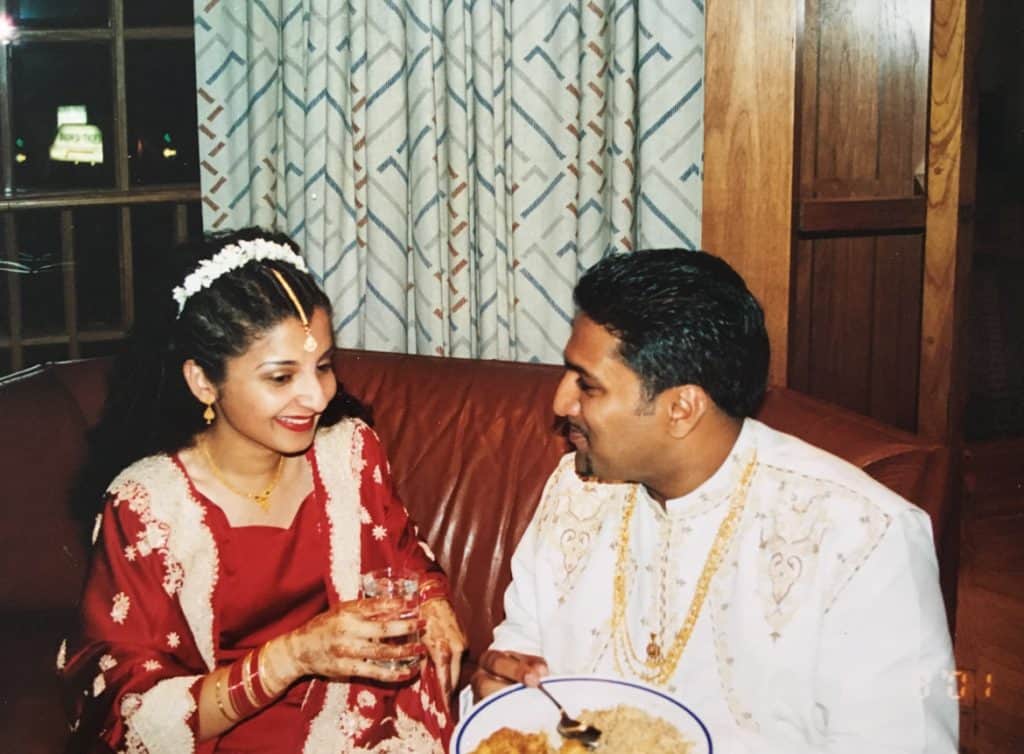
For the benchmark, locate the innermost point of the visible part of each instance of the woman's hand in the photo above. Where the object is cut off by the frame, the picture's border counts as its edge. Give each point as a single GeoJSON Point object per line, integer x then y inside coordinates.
{"type": "Point", "coordinates": [348, 640]}
{"type": "Point", "coordinates": [445, 642]}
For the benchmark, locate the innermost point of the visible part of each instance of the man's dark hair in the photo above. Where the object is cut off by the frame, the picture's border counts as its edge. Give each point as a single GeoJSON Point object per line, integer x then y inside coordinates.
{"type": "Point", "coordinates": [682, 318]}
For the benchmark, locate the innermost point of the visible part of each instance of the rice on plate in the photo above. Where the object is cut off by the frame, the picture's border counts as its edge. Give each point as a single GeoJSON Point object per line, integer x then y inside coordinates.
{"type": "Point", "coordinates": [624, 730]}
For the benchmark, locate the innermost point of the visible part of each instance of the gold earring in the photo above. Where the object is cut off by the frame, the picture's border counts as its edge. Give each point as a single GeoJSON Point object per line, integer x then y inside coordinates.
{"type": "Point", "coordinates": [209, 414]}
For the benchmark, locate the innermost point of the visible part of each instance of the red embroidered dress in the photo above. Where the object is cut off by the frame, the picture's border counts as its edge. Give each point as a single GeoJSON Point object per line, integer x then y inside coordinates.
{"type": "Point", "coordinates": [174, 591]}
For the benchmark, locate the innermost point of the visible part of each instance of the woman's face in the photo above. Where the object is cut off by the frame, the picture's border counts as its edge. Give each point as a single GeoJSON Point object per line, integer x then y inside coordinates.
{"type": "Point", "coordinates": [273, 394]}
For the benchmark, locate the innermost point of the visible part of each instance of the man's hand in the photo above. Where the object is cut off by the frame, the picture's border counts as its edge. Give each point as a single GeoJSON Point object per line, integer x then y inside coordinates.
{"type": "Point", "coordinates": [499, 669]}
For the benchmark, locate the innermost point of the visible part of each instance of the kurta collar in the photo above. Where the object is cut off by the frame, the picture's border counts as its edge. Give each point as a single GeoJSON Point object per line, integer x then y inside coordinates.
{"type": "Point", "coordinates": [719, 486]}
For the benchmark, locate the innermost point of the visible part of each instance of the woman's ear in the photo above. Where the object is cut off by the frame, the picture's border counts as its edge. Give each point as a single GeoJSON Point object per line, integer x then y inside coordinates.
{"type": "Point", "coordinates": [200, 385]}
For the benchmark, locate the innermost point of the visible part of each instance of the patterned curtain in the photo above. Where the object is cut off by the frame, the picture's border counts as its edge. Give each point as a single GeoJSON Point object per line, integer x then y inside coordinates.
{"type": "Point", "coordinates": [450, 168]}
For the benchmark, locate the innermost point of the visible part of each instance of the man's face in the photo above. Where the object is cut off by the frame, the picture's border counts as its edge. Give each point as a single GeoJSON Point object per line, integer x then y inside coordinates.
{"type": "Point", "coordinates": [617, 433]}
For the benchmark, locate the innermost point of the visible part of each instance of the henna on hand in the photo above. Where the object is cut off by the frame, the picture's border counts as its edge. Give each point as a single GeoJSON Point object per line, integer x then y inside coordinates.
{"type": "Point", "coordinates": [445, 640]}
{"type": "Point", "coordinates": [345, 640]}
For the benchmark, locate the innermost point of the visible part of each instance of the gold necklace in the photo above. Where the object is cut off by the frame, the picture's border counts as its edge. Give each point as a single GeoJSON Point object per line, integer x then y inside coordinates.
{"type": "Point", "coordinates": [658, 666]}
{"type": "Point", "coordinates": [262, 498]}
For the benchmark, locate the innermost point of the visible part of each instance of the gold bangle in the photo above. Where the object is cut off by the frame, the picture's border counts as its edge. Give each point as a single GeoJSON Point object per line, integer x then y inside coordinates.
{"type": "Point", "coordinates": [220, 704]}
{"type": "Point", "coordinates": [271, 683]}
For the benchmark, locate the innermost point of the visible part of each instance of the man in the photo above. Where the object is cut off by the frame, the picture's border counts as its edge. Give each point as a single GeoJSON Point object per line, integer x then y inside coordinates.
{"type": "Point", "coordinates": [782, 594]}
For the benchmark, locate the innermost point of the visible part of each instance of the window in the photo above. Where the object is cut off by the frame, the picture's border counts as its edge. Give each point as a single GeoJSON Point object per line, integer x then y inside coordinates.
{"type": "Point", "coordinates": [99, 167]}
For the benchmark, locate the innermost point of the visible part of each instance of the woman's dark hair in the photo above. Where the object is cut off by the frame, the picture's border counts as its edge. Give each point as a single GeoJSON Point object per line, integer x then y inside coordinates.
{"type": "Point", "coordinates": [682, 318]}
{"type": "Point", "coordinates": [149, 407]}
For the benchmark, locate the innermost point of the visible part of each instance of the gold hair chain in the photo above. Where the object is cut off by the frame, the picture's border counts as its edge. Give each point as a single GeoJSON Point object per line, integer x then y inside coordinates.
{"type": "Point", "coordinates": [309, 344]}
{"type": "Point", "coordinates": [262, 498]}
{"type": "Point", "coordinates": [658, 666]}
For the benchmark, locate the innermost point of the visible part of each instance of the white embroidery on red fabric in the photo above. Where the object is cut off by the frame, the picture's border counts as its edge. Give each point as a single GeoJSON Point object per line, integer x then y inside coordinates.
{"type": "Point", "coordinates": [119, 610]}
{"type": "Point", "coordinates": [130, 705]}
{"type": "Point", "coordinates": [153, 537]}
{"type": "Point", "coordinates": [171, 525]}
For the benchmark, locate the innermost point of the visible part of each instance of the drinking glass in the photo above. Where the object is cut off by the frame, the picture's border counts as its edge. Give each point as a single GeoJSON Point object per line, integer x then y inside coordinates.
{"type": "Point", "coordinates": [400, 584]}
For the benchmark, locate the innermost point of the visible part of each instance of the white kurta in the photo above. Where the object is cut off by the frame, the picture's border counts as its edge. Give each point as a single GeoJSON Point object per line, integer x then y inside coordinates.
{"type": "Point", "coordinates": [823, 631]}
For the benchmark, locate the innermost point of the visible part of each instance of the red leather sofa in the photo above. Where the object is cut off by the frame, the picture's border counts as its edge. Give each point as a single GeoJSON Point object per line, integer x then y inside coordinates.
{"type": "Point", "coordinates": [470, 443]}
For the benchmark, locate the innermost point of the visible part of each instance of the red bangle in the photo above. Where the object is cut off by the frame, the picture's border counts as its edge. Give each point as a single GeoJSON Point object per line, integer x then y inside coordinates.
{"type": "Point", "coordinates": [236, 689]}
{"type": "Point", "coordinates": [259, 692]}
{"type": "Point", "coordinates": [246, 691]}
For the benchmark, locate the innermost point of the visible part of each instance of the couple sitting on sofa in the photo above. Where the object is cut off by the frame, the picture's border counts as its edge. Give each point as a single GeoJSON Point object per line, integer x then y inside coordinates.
{"type": "Point", "coordinates": [792, 601]}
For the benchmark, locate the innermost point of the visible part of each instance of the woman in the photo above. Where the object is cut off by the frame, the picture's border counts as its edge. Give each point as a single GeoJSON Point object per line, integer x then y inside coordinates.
{"type": "Point", "coordinates": [221, 612]}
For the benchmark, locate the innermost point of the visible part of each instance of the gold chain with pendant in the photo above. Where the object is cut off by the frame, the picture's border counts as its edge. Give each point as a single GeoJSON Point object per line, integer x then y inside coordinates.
{"type": "Point", "coordinates": [658, 666]}
{"type": "Point", "coordinates": [261, 498]}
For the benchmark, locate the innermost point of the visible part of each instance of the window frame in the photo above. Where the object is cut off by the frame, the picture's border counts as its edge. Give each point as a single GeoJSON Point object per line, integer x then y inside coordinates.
{"type": "Point", "coordinates": [122, 196]}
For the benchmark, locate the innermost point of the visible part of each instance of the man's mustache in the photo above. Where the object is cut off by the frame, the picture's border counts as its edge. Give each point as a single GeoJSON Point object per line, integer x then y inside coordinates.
{"type": "Point", "coordinates": [564, 426]}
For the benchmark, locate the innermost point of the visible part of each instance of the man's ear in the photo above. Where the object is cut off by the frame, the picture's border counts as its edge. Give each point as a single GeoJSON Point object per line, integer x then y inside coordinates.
{"type": "Point", "coordinates": [200, 385]}
{"type": "Point", "coordinates": [687, 406]}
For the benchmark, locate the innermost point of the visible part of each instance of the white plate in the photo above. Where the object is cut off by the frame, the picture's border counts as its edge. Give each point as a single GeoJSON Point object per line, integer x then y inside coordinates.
{"type": "Point", "coordinates": [527, 710]}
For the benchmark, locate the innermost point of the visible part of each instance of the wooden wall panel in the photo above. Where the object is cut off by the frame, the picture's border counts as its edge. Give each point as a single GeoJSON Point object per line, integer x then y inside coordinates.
{"type": "Point", "coordinates": [896, 329]}
{"type": "Point", "coordinates": [864, 84]}
{"type": "Point", "coordinates": [858, 267]}
{"type": "Point", "coordinates": [749, 120]}
{"type": "Point", "coordinates": [841, 321]}
{"type": "Point", "coordinates": [792, 136]}
{"type": "Point", "coordinates": [855, 331]}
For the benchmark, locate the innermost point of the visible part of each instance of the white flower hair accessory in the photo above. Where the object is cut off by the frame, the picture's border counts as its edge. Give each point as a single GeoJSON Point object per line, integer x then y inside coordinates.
{"type": "Point", "coordinates": [231, 257]}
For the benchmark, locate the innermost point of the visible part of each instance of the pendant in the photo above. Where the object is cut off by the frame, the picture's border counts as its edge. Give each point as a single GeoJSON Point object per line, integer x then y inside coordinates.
{"type": "Point", "coordinates": [653, 649]}
{"type": "Point", "coordinates": [262, 499]}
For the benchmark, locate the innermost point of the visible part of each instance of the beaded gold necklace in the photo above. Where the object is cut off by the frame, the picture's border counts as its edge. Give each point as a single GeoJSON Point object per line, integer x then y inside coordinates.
{"type": "Point", "coordinates": [658, 665]}
{"type": "Point", "coordinates": [261, 498]}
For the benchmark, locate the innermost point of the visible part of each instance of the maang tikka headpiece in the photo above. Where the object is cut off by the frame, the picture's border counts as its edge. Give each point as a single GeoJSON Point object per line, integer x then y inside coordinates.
{"type": "Point", "coordinates": [309, 345]}
{"type": "Point", "coordinates": [235, 255]}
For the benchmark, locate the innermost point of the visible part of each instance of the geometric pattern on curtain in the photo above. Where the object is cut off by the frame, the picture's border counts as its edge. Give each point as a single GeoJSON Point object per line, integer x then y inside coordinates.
{"type": "Point", "coordinates": [450, 168]}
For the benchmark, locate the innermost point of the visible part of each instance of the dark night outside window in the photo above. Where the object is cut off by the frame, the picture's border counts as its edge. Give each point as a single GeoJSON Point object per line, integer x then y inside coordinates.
{"type": "Point", "coordinates": [98, 167]}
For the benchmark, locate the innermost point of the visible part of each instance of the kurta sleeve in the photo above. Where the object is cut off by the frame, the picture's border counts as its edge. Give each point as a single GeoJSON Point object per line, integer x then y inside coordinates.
{"type": "Point", "coordinates": [520, 631]}
{"type": "Point", "coordinates": [129, 676]}
{"type": "Point", "coordinates": [885, 661]}
{"type": "Point", "coordinates": [393, 532]}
